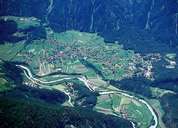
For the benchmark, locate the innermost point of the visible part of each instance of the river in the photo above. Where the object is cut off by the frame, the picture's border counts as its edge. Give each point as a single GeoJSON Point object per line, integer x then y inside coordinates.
{"type": "Point", "coordinates": [29, 75]}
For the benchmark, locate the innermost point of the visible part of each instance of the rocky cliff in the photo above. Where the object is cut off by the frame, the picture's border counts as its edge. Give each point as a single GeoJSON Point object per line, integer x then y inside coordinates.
{"type": "Point", "coordinates": [154, 22]}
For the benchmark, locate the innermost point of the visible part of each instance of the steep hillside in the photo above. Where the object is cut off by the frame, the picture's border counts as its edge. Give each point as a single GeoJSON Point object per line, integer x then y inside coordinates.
{"type": "Point", "coordinates": [151, 22]}
{"type": "Point", "coordinates": [22, 114]}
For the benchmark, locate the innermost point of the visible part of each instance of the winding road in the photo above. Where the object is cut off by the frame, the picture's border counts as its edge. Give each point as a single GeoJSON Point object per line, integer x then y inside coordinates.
{"type": "Point", "coordinates": [29, 75]}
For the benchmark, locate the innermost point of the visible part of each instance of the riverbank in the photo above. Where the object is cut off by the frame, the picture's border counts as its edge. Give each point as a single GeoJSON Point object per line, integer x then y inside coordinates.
{"type": "Point", "coordinates": [29, 75]}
